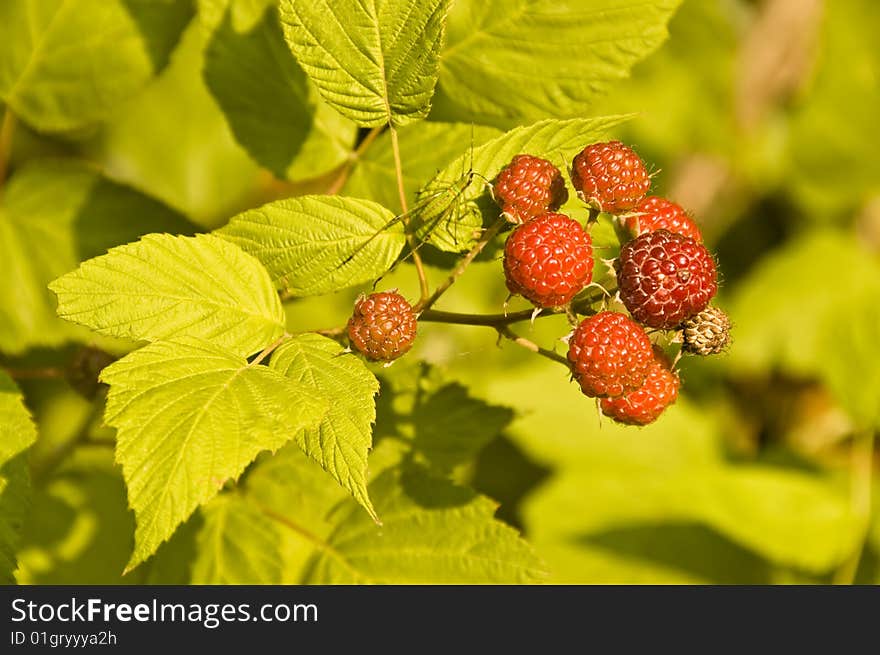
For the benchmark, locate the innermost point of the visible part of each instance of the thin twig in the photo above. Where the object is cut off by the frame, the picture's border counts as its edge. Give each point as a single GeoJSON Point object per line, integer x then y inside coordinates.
{"type": "Point", "coordinates": [352, 161]}
{"type": "Point", "coordinates": [44, 373]}
{"type": "Point", "coordinates": [486, 237]}
{"type": "Point", "coordinates": [862, 471]}
{"type": "Point", "coordinates": [424, 291]}
{"type": "Point", "coordinates": [270, 348]}
{"type": "Point", "coordinates": [7, 128]}
{"type": "Point", "coordinates": [507, 333]}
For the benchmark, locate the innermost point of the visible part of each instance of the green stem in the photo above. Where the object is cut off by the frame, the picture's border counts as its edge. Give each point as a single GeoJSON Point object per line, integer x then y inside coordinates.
{"type": "Point", "coordinates": [424, 291]}
{"type": "Point", "coordinates": [507, 333]}
{"type": "Point", "coordinates": [486, 237]}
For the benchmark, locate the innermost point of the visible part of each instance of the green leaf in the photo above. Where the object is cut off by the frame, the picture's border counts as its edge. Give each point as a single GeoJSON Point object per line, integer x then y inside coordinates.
{"type": "Point", "coordinates": [812, 319]}
{"type": "Point", "coordinates": [67, 64]}
{"type": "Point", "coordinates": [17, 433]}
{"type": "Point", "coordinates": [374, 62]}
{"type": "Point", "coordinates": [163, 287]}
{"type": "Point", "coordinates": [78, 530]}
{"type": "Point", "coordinates": [271, 106]}
{"type": "Point", "coordinates": [510, 61]}
{"type": "Point", "coordinates": [53, 215]}
{"type": "Point", "coordinates": [432, 532]}
{"type": "Point", "coordinates": [448, 215]}
{"type": "Point", "coordinates": [312, 245]}
{"type": "Point", "coordinates": [425, 148]}
{"type": "Point", "coordinates": [673, 472]}
{"type": "Point", "coordinates": [843, 173]}
{"type": "Point", "coordinates": [237, 544]}
{"type": "Point", "coordinates": [341, 442]}
{"type": "Point", "coordinates": [206, 175]}
{"type": "Point", "coordinates": [441, 422]}
{"type": "Point", "coordinates": [190, 416]}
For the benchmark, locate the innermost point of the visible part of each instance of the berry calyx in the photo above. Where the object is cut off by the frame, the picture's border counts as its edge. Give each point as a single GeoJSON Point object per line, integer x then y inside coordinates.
{"type": "Point", "coordinates": [548, 260]}
{"type": "Point", "coordinates": [647, 403]}
{"type": "Point", "coordinates": [665, 278]}
{"type": "Point", "coordinates": [610, 355]}
{"type": "Point", "coordinates": [707, 333]}
{"type": "Point", "coordinates": [382, 326]}
{"type": "Point", "coordinates": [528, 187]}
{"type": "Point", "coordinates": [656, 213]}
{"type": "Point", "coordinates": [610, 177]}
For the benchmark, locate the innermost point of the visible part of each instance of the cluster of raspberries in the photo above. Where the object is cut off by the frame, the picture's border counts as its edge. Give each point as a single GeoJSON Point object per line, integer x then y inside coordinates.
{"type": "Point", "coordinates": [665, 278]}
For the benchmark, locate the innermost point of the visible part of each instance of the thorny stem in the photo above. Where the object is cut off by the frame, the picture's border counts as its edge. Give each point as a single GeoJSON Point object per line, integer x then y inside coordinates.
{"type": "Point", "coordinates": [6, 130]}
{"type": "Point", "coordinates": [355, 156]}
{"type": "Point", "coordinates": [486, 237]}
{"type": "Point", "coordinates": [507, 333]}
{"type": "Point", "coordinates": [862, 470]}
{"type": "Point", "coordinates": [424, 292]}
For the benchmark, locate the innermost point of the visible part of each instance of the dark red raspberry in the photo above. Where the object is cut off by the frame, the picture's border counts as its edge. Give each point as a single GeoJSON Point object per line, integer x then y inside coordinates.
{"type": "Point", "coordinates": [645, 404]}
{"type": "Point", "coordinates": [665, 278]}
{"type": "Point", "coordinates": [610, 177]}
{"type": "Point", "coordinates": [528, 187]}
{"type": "Point", "coordinates": [610, 355]}
{"type": "Point", "coordinates": [548, 260]}
{"type": "Point", "coordinates": [383, 326]}
{"type": "Point", "coordinates": [656, 213]}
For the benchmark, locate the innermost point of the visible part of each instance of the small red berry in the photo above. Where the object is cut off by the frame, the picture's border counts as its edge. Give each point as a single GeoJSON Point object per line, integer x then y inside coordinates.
{"type": "Point", "coordinates": [610, 355]}
{"type": "Point", "coordinates": [665, 278]}
{"type": "Point", "coordinates": [610, 177]}
{"type": "Point", "coordinates": [383, 326]}
{"type": "Point", "coordinates": [548, 260]}
{"type": "Point", "coordinates": [645, 404]}
{"type": "Point", "coordinates": [528, 187]}
{"type": "Point", "coordinates": [656, 213]}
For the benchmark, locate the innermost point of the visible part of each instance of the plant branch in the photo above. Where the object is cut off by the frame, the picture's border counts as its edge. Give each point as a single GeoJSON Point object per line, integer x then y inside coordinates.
{"type": "Point", "coordinates": [507, 333]}
{"type": "Point", "coordinates": [270, 348]}
{"type": "Point", "coordinates": [424, 292]}
{"type": "Point", "coordinates": [353, 158]}
{"type": "Point", "coordinates": [862, 472]}
{"type": "Point", "coordinates": [44, 373]}
{"type": "Point", "coordinates": [7, 128]}
{"type": "Point", "coordinates": [485, 238]}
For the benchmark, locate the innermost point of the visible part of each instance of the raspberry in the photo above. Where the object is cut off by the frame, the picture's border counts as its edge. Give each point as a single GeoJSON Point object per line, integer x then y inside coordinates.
{"type": "Point", "coordinates": [665, 278]}
{"type": "Point", "coordinates": [656, 213]}
{"type": "Point", "coordinates": [383, 326]}
{"type": "Point", "coordinates": [610, 355]}
{"type": "Point", "coordinates": [528, 187]}
{"type": "Point", "coordinates": [707, 333]}
{"type": "Point", "coordinates": [645, 404]}
{"type": "Point", "coordinates": [610, 177]}
{"type": "Point", "coordinates": [548, 260]}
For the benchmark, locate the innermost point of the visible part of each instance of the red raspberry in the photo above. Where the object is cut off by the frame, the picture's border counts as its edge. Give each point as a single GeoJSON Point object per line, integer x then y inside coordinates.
{"type": "Point", "coordinates": [383, 326]}
{"type": "Point", "coordinates": [645, 404]}
{"type": "Point", "coordinates": [656, 213]}
{"type": "Point", "coordinates": [528, 187]}
{"type": "Point", "coordinates": [610, 355]}
{"type": "Point", "coordinates": [548, 260]}
{"type": "Point", "coordinates": [610, 177]}
{"type": "Point", "coordinates": [665, 278]}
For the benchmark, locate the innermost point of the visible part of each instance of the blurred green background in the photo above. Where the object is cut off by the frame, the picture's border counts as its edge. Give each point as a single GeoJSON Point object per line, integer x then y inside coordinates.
{"type": "Point", "coordinates": [761, 119]}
